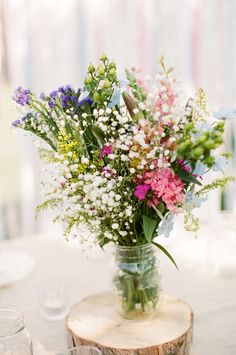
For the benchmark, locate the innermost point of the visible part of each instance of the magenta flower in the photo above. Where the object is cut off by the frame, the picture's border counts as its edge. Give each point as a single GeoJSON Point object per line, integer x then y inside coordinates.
{"type": "Point", "coordinates": [106, 150]}
{"type": "Point", "coordinates": [141, 191]}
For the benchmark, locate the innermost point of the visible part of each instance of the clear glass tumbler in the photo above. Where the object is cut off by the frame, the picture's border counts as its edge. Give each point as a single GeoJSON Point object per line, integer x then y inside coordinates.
{"type": "Point", "coordinates": [14, 337]}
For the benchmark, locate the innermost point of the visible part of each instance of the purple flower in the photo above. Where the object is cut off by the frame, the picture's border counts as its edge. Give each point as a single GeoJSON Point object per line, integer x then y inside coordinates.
{"type": "Point", "coordinates": [24, 118]}
{"type": "Point", "coordinates": [141, 191]}
{"type": "Point", "coordinates": [51, 103]}
{"type": "Point", "coordinates": [54, 93]}
{"type": "Point", "coordinates": [22, 96]}
{"type": "Point", "coordinates": [69, 88]}
{"type": "Point", "coordinates": [89, 100]}
{"type": "Point", "coordinates": [84, 101]}
{"type": "Point", "coordinates": [66, 88]}
{"type": "Point", "coordinates": [61, 89]}
{"type": "Point", "coordinates": [16, 123]}
{"type": "Point", "coordinates": [64, 100]}
{"type": "Point", "coordinates": [42, 96]}
{"type": "Point", "coordinates": [74, 98]}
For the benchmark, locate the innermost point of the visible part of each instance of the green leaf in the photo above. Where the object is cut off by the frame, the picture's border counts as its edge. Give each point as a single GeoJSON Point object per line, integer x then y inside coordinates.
{"type": "Point", "coordinates": [98, 133]}
{"type": "Point", "coordinates": [165, 252]}
{"type": "Point", "coordinates": [131, 105]}
{"type": "Point", "coordinates": [186, 176]}
{"type": "Point", "coordinates": [149, 227]}
{"type": "Point", "coordinates": [161, 207]}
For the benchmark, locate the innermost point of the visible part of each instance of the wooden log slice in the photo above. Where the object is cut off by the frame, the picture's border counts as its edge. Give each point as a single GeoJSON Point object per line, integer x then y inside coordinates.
{"type": "Point", "coordinates": [94, 321]}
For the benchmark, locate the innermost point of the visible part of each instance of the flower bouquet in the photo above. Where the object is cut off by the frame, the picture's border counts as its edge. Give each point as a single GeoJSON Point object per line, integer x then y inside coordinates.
{"type": "Point", "coordinates": [123, 159]}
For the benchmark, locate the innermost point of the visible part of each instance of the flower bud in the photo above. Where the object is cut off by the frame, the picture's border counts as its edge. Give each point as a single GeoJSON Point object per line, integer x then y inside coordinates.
{"type": "Point", "coordinates": [101, 70]}
{"type": "Point", "coordinates": [209, 144]}
{"type": "Point", "coordinates": [112, 72]}
{"type": "Point", "coordinates": [112, 65]}
{"type": "Point", "coordinates": [96, 97]}
{"type": "Point", "coordinates": [106, 84]}
{"type": "Point", "coordinates": [209, 161]}
{"type": "Point", "coordinates": [103, 57]}
{"type": "Point", "coordinates": [197, 152]}
{"type": "Point", "coordinates": [88, 79]}
{"type": "Point", "coordinates": [91, 68]}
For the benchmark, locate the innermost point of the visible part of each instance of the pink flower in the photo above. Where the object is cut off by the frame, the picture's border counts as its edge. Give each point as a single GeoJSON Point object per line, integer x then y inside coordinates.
{"type": "Point", "coordinates": [141, 191]}
{"type": "Point", "coordinates": [167, 186]}
{"type": "Point", "coordinates": [106, 150]}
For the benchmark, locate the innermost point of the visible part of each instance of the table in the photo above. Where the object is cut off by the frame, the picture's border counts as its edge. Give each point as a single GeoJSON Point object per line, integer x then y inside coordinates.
{"type": "Point", "coordinates": [211, 295]}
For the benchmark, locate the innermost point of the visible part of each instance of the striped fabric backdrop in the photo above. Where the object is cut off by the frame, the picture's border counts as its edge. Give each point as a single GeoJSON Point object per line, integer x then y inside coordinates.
{"type": "Point", "coordinates": [51, 42]}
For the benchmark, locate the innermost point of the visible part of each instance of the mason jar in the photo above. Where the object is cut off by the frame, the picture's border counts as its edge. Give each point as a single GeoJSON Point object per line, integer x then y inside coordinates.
{"type": "Point", "coordinates": [14, 337]}
{"type": "Point", "coordinates": [136, 281]}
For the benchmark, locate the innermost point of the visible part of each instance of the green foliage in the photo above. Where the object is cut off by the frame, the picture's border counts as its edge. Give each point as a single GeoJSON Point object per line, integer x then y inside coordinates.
{"type": "Point", "coordinates": [137, 90]}
{"type": "Point", "coordinates": [100, 81]}
{"type": "Point", "coordinates": [51, 203]}
{"type": "Point", "coordinates": [166, 253]}
{"type": "Point", "coordinates": [216, 184]}
{"type": "Point", "coordinates": [149, 227]}
{"type": "Point", "coordinates": [131, 107]}
{"type": "Point", "coordinates": [186, 176]}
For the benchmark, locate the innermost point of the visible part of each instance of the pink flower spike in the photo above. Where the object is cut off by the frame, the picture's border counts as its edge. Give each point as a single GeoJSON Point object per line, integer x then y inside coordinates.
{"type": "Point", "coordinates": [106, 150]}
{"type": "Point", "coordinates": [141, 191]}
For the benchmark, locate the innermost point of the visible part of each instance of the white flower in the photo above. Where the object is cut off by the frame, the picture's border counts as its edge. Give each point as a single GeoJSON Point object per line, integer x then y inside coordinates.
{"type": "Point", "coordinates": [108, 110]}
{"type": "Point", "coordinates": [132, 170]}
{"type": "Point", "coordinates": [84, 115]}
{"type": "Point", "coordinates": [141, 106]}
{"type": "Point", "coordinates": [136, 110]}
{"type": "Point", "coordinates": [115, 226]}
{"type": "Point", "coordinates": [124, 157]}
{"type": "Point", "coordinates": [84, 160]}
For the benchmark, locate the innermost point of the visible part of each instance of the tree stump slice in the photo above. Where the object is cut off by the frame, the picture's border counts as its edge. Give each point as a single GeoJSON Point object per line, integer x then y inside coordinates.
{"type": "Point", "coordinates": [94, 321]}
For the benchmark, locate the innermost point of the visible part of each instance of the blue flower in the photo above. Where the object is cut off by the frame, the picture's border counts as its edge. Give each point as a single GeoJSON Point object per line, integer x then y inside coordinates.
{"type": "Point", "coordinates": [166, 225]}
{"type": "Point", "coordinates": [115, 99]}
{"type": "Point", "coordinates": [220, 163]}
{"type": "Point", "coordinates": [200, 169]}
{"type": "Point", "coordinates": [193, 201]}
{"type": "Point", "coordinates": [225, 114]}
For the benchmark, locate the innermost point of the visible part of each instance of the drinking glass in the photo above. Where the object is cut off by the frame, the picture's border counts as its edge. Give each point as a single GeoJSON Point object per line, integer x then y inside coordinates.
{"type": "Point", "coordinates": [53, 300]}
{"type": "Point", "coordinates": [83, 350]}
{"type": "Point", "coordinates": [14, 337]}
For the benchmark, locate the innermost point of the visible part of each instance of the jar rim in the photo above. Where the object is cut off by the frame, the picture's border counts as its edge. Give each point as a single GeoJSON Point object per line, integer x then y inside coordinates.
{"type": "Point", "coordinates": [133, 247]}
{"type": "Point", "coordinates": [11, 321]}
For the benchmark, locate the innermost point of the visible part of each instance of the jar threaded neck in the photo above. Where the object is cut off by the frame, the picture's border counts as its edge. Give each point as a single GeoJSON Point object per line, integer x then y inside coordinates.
{"type": "Point", "coordinates": [11, 322]}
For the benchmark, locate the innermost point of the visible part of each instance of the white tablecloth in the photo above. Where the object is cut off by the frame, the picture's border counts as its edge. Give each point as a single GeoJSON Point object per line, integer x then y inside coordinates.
{"type": "Point", "coordinates": [211, 295]}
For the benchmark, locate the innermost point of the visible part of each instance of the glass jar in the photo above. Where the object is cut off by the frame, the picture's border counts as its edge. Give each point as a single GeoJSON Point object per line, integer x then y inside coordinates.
{"type": "Point", "coordinates": [136, 281]}
{"type": "Point", "coordinates": [14, 338]}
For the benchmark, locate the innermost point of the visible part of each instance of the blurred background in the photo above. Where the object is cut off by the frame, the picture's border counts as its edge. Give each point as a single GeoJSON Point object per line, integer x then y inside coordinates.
{"type": "Point", "coordinates": [48, 43]}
